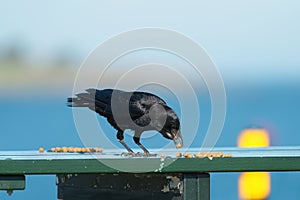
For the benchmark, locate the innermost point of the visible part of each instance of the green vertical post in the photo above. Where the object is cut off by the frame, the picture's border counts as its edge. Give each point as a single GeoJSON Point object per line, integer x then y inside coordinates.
{"type": "Point", "coordinates": [189, 187]}
{"type": "Point", "coordinates": [203, 183]}
{"type": "Point", "coordinates": [196, 186]}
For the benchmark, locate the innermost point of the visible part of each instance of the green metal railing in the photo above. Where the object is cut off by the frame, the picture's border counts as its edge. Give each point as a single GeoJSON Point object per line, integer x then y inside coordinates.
{"type": "Point", "coordinates": [194, 172]}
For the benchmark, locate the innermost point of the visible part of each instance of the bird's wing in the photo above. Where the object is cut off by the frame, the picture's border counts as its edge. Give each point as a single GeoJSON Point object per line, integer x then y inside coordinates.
{"type": "Point", "coordinates": [141, 103]}
{"type": "Point", "coordinates": [138, 104]}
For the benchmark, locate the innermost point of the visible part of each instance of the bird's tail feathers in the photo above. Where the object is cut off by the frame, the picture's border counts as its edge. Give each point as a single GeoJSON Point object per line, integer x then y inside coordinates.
{"type": "Point", "coordinates": [86, 100]}
{"type": "Point", "coordinates": [82, 100]}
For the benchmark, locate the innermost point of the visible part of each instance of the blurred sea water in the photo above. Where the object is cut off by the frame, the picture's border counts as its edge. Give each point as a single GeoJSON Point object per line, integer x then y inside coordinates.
{"type": "Point", "coordinates": [29, 122]}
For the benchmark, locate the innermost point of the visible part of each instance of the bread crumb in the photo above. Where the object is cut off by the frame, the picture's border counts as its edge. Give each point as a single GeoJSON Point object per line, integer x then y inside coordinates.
{"type": "Point", "coordinates": [178, 155]}
{"type": "Point", "coordinates": [41, 150]}
{"type": "Point", "coordinates": [188, 155]}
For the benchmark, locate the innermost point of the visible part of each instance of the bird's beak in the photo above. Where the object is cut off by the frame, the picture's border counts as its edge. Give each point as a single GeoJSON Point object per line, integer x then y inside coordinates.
{"type": "Point", "coordinates": [178, 140]}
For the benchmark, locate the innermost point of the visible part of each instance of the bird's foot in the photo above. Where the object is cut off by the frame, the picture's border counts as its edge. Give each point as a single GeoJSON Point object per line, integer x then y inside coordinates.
{"type": "Point", "coordinates": [138, 154]}
{"type": "Point", "coordinates": [128, 154]}
{"type": "Point", "coordinates": [149, 154]}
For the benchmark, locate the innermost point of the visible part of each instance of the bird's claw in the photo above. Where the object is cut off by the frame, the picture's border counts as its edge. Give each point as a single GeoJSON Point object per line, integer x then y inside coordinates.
{"type": "Point", "coordinates": [138, 154]}
{"type": "Point", "coordinates": [128, 154]}
{"type": "Point", "coordinates": [149, 154]}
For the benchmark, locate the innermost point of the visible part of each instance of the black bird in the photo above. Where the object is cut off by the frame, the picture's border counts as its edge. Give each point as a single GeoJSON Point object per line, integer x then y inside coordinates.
{"type": "Point", "coordinates": [138, 111]}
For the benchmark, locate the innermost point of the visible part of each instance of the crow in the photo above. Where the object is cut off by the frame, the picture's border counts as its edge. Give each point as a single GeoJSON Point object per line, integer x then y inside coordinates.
{"type": "Point", "coordinates": [137, 111]}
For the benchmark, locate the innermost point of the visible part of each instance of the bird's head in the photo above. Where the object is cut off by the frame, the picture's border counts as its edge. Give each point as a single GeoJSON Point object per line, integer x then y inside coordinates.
{"type": "Point", "coordinates": [171, 129]}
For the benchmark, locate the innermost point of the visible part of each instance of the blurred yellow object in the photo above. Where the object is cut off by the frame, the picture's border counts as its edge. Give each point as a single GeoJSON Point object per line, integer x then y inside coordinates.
{"type": "Point", "coordinates": [257, 137]}
{"type": "Point", "coordinates": [254, 185]}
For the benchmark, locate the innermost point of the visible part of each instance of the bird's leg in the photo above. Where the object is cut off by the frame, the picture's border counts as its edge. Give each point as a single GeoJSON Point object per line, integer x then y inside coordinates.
{"type": "Point", "coordinates": [120, 136]}
{"type": "Point", "coordinates": [137, 141]}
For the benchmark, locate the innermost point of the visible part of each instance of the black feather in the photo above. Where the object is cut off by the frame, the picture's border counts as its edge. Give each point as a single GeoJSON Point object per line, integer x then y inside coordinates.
{"type": "Point", "coordinates": [139, 111]}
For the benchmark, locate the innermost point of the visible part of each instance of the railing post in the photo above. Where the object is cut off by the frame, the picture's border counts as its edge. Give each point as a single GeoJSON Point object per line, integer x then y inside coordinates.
{"type": "Point", "coordinates": [12, 182]}
{"type": "Point", "coordinates": [196, 186]}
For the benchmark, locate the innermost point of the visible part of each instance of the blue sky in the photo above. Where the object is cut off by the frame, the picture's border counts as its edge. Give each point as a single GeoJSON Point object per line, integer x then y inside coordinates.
{"type": "Point", "coordinates": [251, 42]}
{"type": "Point", "coordinates": [240, 35]}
